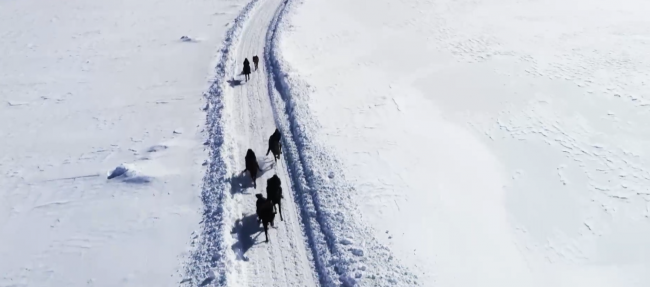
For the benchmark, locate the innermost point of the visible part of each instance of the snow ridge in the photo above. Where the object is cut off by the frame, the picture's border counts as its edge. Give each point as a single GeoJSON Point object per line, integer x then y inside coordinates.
{"type": "Point", "coordinates": [344, 249]}
{"type": "Point", "coordinates": [207, 263]}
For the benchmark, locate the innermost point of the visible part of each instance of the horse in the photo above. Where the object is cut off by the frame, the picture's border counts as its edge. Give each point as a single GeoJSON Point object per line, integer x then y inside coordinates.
{"type": "Point", "coordinates": [274, 192]}
{"type": "Point", "coordinates": [256, 60]}
{"type": "Point", "coordinates": [252, 166]}
{"type": "Point", "coordinates": [247, 69]}
{"type": "Point", "coordinates": [275, 145]}
{"type": "Point", "coordinates": [265, 213]}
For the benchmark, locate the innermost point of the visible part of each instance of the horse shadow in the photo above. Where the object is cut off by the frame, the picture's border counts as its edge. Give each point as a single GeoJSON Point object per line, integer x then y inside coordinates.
{"type": "Point", "coordinates": [234, 83]}
{"type": "Point", "coordinates": [245, 228]}
{"type": "Point", "coordinates": [266, 166]}
{"type": "Point", "coordinates": [240, 182]}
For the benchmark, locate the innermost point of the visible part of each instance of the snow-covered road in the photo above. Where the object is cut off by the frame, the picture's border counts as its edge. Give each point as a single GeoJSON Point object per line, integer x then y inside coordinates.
{"type": "Point", "coordinates": [241, 115]}
{"type": "Point", "coordinates": [323, 240]}
{"type": "Point", "coordinates": [283, 261]}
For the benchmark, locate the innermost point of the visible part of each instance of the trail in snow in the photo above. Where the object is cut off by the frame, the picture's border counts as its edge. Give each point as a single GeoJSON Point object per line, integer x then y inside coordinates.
{"type": "Point", "coordinates": [240, 117]}
{"type": "Point", "coordinates": [336, 248]}
{"type": "Point", "coordinates": [283, 261]}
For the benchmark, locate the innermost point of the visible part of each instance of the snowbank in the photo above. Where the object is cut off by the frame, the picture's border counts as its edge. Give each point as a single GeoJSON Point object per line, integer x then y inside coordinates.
{"type": "Point", "coordinates": [487, 144]}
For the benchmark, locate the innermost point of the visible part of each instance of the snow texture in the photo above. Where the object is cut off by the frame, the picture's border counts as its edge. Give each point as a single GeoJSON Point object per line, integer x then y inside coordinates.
{"type": "Point", "coordinates": [425, 143]}
{"type": "Point", "coordinates": [94, 88]}
{"type": "Point", "coordinates": [487, 143]}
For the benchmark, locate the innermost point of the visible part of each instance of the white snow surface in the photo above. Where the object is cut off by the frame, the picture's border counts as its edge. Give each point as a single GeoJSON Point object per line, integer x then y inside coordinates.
{"type": "Point", "coordinates": [425, 143]}
{"type": "Point", "coordinates": [92, 87]}
{"type": "Point", "coordinates": [487, 143]}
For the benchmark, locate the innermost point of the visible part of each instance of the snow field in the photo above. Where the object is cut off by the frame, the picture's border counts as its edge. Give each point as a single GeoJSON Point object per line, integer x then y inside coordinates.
{"type": "Point", "coordinates": [87, 88]}
{"type": "Point", "coordinates": [487, 143]}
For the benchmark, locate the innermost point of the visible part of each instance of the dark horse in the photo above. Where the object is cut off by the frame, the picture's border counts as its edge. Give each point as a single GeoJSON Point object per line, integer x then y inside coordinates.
{"type": "Point", "coordinates": [265, 213]}
{"type": "Point", "coordinates": [252, 166]}
{"type": "Point", "coordinates": [247, 69]}
{"type": "Point", "coordinates": [256, 60]}
{"type": "Point", "coordinates": [275, 146]}
{"type": "Point", "coordinates": [274, 192]}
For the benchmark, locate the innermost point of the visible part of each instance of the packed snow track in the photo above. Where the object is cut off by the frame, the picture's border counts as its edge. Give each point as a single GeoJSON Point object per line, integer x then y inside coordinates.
{"type": "Point", "coordinates": [231, 250]}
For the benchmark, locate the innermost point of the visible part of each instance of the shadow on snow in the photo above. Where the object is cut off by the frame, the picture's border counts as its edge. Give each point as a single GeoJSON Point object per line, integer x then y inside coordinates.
{"type": "Point", "coordinates": [242, 181]}
{"type": "Point", "coordinates": [245, 229]}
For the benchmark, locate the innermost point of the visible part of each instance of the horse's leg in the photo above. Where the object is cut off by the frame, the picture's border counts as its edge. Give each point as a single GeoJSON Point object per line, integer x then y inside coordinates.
{"type": "Point", "coordinates": [280, 209]}
{"type": "Point", "coordinates": [266, 230]}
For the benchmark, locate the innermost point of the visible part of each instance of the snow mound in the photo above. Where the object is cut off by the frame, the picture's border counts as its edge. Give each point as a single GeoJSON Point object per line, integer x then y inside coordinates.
{"type": "Point", "coordinates": [186, 39]}
{"type": "Point", "coordinates": [157, 148]}
{"type": "Point", "coordinates": [190, 39]}
{"type": "Point", "coordinates": [128, 173]}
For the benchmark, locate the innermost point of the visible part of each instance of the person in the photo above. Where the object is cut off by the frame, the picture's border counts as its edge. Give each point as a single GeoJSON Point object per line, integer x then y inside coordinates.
{"type": "Point", "coordinates": [256, 60]}
{"type": "Point", "coordinates": [247, 69]}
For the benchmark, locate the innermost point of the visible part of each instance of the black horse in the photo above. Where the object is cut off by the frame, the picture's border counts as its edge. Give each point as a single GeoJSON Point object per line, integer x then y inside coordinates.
{"type": "Point", "coordinates": [252, 166]}
{"type": "Point", "coordinates": [265, 213]}
{"type": "Point", "coordinates": [275, 145]}
{"type": "Point", "coordinates": [256, 61]}
{"type": "Point", "coordinates": [247, 69]}
{"type": "Point", "coordinates": [274, 192]}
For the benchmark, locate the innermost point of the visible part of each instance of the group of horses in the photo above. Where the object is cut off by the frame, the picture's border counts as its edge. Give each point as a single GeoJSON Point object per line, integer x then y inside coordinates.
{"type": "Point", "coordinates": [247, 67]}
{"type": "Point", "coordinates": [266, 206]}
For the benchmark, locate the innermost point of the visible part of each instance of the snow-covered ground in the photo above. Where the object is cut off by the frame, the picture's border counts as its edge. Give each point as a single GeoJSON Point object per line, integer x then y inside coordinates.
{"type": "Point", "coordinates": [86, 86]}
{"type": "Point", "coordinates": [488, 143]}
{"type": "Point", "coordinates": [430, 143]}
